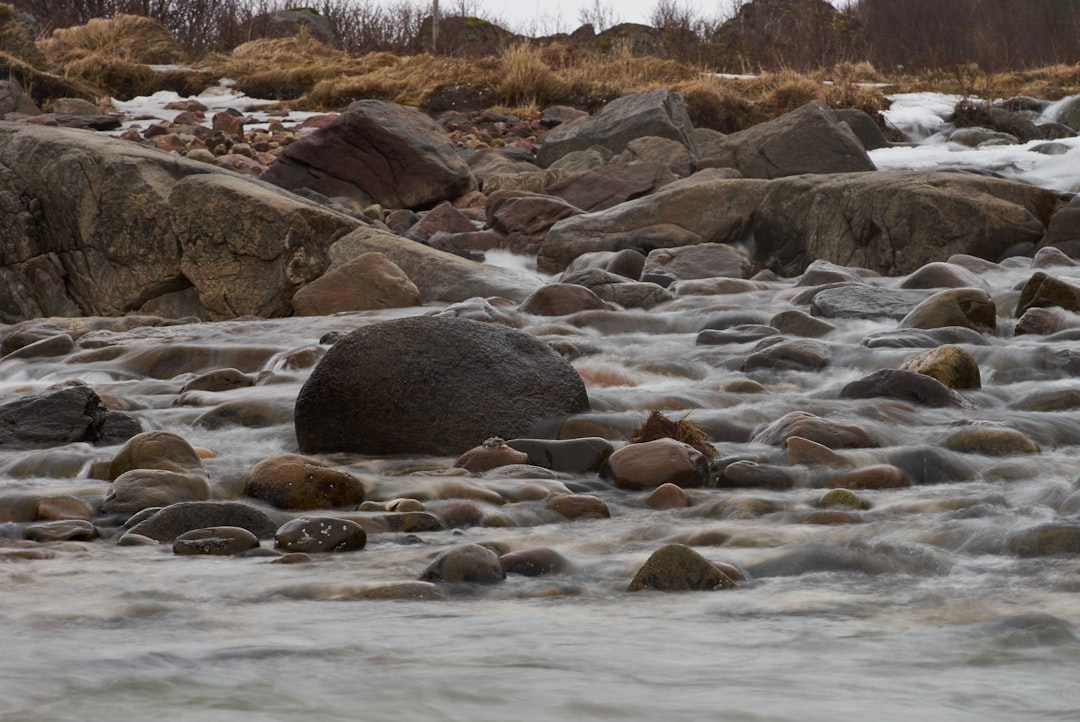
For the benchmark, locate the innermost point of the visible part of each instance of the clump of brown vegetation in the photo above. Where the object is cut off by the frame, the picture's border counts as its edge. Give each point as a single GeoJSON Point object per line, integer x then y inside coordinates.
{"type": "Point", "coordinates": [130, 38]}
{"type": "Point", "coordinates": [658, 426]}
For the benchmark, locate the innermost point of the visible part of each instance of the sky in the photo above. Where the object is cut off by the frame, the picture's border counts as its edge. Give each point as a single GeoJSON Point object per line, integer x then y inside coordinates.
{"type": "Point", "coordinates": [546, 17]}
{"type": "Point", "coordinates": [552, 16]}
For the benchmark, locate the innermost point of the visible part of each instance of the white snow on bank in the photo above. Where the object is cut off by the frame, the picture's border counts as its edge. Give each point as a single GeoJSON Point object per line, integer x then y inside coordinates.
{"type": "Point", "coordinates": [216, 99]}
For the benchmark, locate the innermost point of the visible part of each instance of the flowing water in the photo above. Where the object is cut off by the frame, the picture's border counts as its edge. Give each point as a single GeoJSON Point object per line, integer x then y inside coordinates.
{"type": "Point", "coordinates": [916, 607]}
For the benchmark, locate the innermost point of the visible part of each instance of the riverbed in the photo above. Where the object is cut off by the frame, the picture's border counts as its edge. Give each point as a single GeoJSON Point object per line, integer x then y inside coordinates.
{"type": "Point", "coordinates": [919, 605]}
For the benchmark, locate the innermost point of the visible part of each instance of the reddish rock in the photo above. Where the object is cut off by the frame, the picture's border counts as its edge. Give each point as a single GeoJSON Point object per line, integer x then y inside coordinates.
{"type": "Point", "coordinates": [575, 506]}
{"type": "Point", "coordinates": [650, 464]}
{"type": "Point", "coordinates": [492, 454]}
{"type": "Point", "coordinates": [228, 123]}
{"type": "Point", "coordinates": [561, 299]}
{"type": "Point", "coordinates": [668, 496]}
{"type": "Point", "coordinates": [442, 218]}
{"type": "Point", "coordinates": [291, 481]}
{"type": "Point", "coordinates": [875, 476]}
{"type": "Point", "coordinates": [369, 281]}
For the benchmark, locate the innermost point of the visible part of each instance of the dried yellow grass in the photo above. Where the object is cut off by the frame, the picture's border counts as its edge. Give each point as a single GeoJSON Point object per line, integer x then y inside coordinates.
{"type": "Point", "coordinates": [407, 82]}
{"type": "Point", "coordinates": [524, 77]}
{"type": "Point", "coordinates": [128, 38]}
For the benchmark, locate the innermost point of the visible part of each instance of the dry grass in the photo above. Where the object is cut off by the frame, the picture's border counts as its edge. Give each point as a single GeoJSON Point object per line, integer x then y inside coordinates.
{"type": "Point", "coordinates": [130, 38]}
{"type": "Point", "coordinates": [110, 57]}
{"type": "Point", "coordinates": [524, 78]}
{"type": "Point", "coordinates": [658, 426]}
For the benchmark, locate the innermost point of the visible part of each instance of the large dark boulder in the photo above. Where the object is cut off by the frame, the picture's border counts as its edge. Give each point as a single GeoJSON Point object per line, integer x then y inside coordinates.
{"type": "Point", "coordinates": [432, 385]}
{"type": "Point", "coordinates": [62, 417]}
{"type": "Point", "coordinates": [376, 152]}
{"type": "Point", "coordinates": [807, 140]}
{"type": "Point", "coordinates": [659, 112]}
{"type": "Point", "coordinates": [894, 222]}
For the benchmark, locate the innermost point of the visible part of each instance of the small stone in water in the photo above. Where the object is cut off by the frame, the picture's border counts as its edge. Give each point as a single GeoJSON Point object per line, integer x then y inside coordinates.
{"type": "Point", "coordinates": [218, 541]}
{"type": "Point", "coordinates": [466, 563]}
{"type": "Point", "coordinates": [320, 534]}
{"type": "Point", "coordinates": [677, 567]}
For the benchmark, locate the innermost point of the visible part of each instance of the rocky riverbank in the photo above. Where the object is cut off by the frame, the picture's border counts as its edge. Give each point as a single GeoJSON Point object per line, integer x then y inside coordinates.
{"type": "Point", "coordinates": [879, 316]}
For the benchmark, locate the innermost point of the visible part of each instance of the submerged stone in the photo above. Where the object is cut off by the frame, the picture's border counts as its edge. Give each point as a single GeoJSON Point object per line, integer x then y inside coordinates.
{"type": "Point", "coordinates": [676, 568]}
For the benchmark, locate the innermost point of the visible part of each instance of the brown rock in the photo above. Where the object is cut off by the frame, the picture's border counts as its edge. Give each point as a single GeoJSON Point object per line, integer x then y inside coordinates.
{"type": "Point", "coordinates": [677, 567]}
{"type": "Point", "coordinates": [443, 218]}
{"type": "Point", "coordinates": [702, 260]}
{"type": "Point", "coordinates": [828, 433]}
{"type": "Point", "coordinates": [466, 563]}
{"type": "Point", "coordinates": [492, 454]}
{"type": "Point", "coordinates": [668, 496]}
{"type": "Point", "coordinates": [650, 464]}
{"type": "Point", "coordinates": [58, 508]}
{"type": "Point", "coordinates": [525, 218]}
{"type": "Point", "coordinates": [807, 140]}
{"type": "Point", "coordinates": [943, 275]}
{"type": "Point", "coordinates": [793, 355]}
{"type": "Point", "coordinates": [1045, 321]}
{"type": "Point", "coordinates": [367, 282]}
{"type": "Point", "coordinates": [217, 541]}
{"type": "Point", "coordinates": [575, 506]}
{"type": "Point", "coordinates": [535, 562]}
{"type": "Point", "coordinates": [1043, 290]}
{"type": "Point", "coordinates": [991, 441]}
{"type": "Point", "coordinates": [949, 364]}
{"type": "Point", "coordinates": [320, 534]}
{"type": "Point", "coordinates": [967, 307]}
{"type": "Point", "coordinates": [876, 476]}
{"type": "Point", "coordinates": [291, 481]}
{"type": "Point", "coordinates": [140, 489]}
{"type": "Point", "coordinates": [561, 299]}
{"type": "Point", "coordinates": [811, 453]}
{"type": "Point", "coordinates": [156, 450]}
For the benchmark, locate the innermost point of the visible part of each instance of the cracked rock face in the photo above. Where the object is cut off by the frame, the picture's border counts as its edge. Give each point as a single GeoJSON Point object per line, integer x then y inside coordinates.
{"type": "Point", "coordinates": [93, 225]}
{"type": "Point", "coordinates": [894, 222]}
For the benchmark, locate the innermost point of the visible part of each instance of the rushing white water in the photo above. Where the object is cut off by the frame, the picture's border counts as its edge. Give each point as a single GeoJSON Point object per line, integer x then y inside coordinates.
{"type": "Point", "coordinates": [915, 607]}
{"type": "Point", "coordinates": [923, 117]}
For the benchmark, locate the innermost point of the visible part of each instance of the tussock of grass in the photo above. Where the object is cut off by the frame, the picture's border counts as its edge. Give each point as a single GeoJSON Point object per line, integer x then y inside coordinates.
{"type": "Point", "coordinates": [408, 81]}
{"type": "Point", "coordinates": [525, 78]}
{"type": "Point", "coordinates": [130, 38]}
{"type": "Point", "coordinates": [658, 426]}
{"type": "Point", "coordinates": [787, 90]}
{"type": "Point", "coordinates": [115, 77]}
{"type": "Point", "coordinates": [713, 104]}
{"type": "Point", "coordinates": [16, 39]}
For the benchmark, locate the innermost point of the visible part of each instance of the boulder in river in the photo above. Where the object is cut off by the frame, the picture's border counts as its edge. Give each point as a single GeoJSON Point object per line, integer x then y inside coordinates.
{"type": "Point", "coordinates": [376, 152]}
{"type": "Point", "coordinates": [136, 228]}
{"type": "Point", "coordinates": [433, 385]}
{"type": "Point", "coordinates": [707, 207]}
{"type": "Point", "coordinates": [659, 112]}
{"type": "Point", "coordinates": [894, 222]}
{"type": "Point", "coordinates": [292, 481]}
{"type": "Point", "coordinates": [677, 568]}
{"type": "Point", "coordinates": [66, 415]}
{"type": "Point", "coordinates": [465, 563]}
{"type": "Point", "coordinates": [807, 140]}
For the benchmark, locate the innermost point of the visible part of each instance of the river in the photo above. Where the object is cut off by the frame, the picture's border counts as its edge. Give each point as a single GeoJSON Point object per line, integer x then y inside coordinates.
{"type": "Point", "coordinates": [916, 607]}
